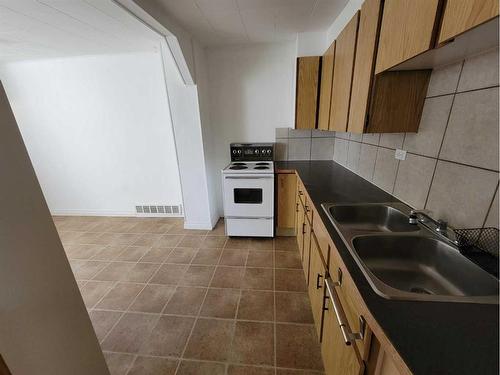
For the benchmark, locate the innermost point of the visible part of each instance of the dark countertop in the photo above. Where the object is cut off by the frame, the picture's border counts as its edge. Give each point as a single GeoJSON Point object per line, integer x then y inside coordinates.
{"type": "Point", "coordinates": [431, 337]}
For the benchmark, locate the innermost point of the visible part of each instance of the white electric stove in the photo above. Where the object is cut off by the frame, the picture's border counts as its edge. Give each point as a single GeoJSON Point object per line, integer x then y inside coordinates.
{"type": "Point", "coordinates": [248, 190]}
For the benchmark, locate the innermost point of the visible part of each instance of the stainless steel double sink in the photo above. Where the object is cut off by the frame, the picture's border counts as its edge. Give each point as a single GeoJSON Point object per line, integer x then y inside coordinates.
{"type": "Point", "coordinates": [408, 261]}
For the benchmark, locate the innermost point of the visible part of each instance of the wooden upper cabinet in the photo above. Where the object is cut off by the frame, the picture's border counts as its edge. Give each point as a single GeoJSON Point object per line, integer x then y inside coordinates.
{"type": "Point", "coordinates": [408, 29]}
{"type": "Point", "coordinates": [369, 21]}
{"type": "Point", "coordinates": [345, 50]}
{"type": "Point", "coordinates": [308, 69]}
{"type": "Point", "coordinates": [325, 93]}
{"type": "Point", "coordinates": [462, 15]}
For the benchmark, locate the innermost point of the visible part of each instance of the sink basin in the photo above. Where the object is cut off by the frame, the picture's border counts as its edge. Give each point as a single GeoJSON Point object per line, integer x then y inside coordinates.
{"type": "Point", "coordinates": [371, 217]}
{"type": "Point", "coordinates": [422, 268]}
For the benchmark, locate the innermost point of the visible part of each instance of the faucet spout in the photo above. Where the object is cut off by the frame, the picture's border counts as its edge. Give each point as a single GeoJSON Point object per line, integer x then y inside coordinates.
{"type": "Point", "coordinates": [439, 226]}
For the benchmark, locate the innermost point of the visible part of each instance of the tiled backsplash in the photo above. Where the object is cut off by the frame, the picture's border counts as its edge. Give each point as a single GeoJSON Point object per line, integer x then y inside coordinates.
{"type": "Point", "coordinates": [452, 163]}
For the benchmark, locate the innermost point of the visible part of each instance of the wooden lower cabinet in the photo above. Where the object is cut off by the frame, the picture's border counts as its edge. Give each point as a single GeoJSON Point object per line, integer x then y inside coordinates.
{"type": "Point", "coordinates": [338, 358]}
{"type": "Point", "coordinates": [316, 286]}
{"type": "Point", "coordinates": [286, 189]}
{"type": "Point", "coordinates": [300, 227]}
{"type": "Point", "coordinates": [364, 354]}
{"type": "Point", "coordinates": [350, 304]}
{"type": "Point", "coordinates": [306, 249]}
{"type": "Point", "coordinates": [379, 362]}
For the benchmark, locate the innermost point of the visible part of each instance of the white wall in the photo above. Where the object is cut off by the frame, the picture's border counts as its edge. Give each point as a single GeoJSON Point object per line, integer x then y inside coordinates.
{"type": "Point", "coordinates": [252, 92]}
{"type": "Point", "coordinates": [44, 325]}
{"type": "Point", "coordinates": [311, 43]}
{"type": "Point", "coordinates": [184, 106]}
{"type": "Point", "coordinates": [208, 134]}
{"type": "Point", "coordinates": [98, 131]}
{"type": "Point", "coordinates": [342, 19]}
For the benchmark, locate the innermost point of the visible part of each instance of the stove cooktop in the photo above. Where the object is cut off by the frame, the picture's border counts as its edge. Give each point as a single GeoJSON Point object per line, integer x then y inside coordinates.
{"type": "Point", "coordinates": [250, 167]}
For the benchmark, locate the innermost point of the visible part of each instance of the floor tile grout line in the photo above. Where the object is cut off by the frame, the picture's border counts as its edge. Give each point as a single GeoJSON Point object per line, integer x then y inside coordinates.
{"type": "Point", "coordinates": [198, 315]}
{"type": "Point", "coordinates": [211, 317]}
{"type": "Point", "coordinates": [194, 324]}
{"type": "Point", "coordinates": [153, 325]}
{"type": "Point", "coordinates": [129, 305]}
{"type": "Point", "coordinates": [218, 362]}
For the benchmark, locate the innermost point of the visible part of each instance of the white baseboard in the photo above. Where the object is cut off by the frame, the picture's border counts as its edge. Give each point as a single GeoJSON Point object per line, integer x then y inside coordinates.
{"type": "Point", "coordinates": [202, 226]}
{"type": "Point", "coordinates": [105, 213]}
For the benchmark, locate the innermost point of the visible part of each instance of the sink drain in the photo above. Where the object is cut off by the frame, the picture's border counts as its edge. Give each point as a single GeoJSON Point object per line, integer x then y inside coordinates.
{"type": "Point", "coordinates": [420, 290]}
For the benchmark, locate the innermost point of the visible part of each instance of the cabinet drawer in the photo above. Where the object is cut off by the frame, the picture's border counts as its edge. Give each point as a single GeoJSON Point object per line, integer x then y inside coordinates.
{"type": "Point", "coordinates": [306, 250]}
{"type": "Point", "coordinates": [301, 192]}
{"type": "Point", "coordinates": [345, 289]}
{"type": "Point", "coordinates": [322, 236]}
{"type": "Point", "coordinates": [300, 227]}
{"type": "Point", "coordinates": [308, 209]}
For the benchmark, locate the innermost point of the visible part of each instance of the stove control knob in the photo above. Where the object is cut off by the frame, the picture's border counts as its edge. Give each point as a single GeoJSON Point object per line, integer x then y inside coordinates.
{"type": "Point", "coordinates": [234, 152]}
{"type": "Point", "coordinates": [239, 152]}
{"type": "Point", "coordinates": [269, 151]}
{"type": "Point", "coordinates": [257, 151]}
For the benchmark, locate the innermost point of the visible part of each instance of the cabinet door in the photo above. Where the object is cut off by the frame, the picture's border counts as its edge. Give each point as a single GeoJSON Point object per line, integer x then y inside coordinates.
{"type": "Point", "coordinates": [351, 306]}
{"type": "Point", "coordinates": [306, 251]}
{"type": "Point", "coordinates": [408, 29]}
{"type": "Point", "coordinates": [300, 227]}
{"type": "Point", "coordinates": [286, 190]}
{"type": "Point", "coordinates": [339, 358]}
{"type": "Point", "coordinates": [307, 92]}
{"type": "Point", "coordinates": [364, 65]}
{"type": "Point", "coordinates": [462, 15]}
{"type": "Point", "coordinates": [317, 271]}
{"type": "Point", "coordinates": [345, 49]}
{"type": "Point", "coordinates": [325, 93]}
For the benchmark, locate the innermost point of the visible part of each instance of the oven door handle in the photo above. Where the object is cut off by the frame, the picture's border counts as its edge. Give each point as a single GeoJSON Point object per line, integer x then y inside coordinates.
{"type": "Point", "coordinates": [247, 177]}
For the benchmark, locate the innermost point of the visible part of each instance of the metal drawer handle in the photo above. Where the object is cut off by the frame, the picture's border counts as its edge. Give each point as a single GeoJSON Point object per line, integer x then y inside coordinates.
{"type": "Point", "coordinates": [303, 228]}
{"type": "Point", "coordinates": [348, 335]}
{"type": "Point", "coordinates": [318, 278]}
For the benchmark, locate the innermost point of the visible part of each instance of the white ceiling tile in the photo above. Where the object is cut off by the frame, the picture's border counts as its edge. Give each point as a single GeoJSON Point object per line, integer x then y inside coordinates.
{"type": "Point", "coordinates": [324, 14]}
{"type": "Point", "coordinates": [57, 28]}
{"type": "Point", "coordinates": [227, 22]}
{"type": "Point", "coordinates": [269, 4]}
{"type": "Point", "coordinates": [217, 5]}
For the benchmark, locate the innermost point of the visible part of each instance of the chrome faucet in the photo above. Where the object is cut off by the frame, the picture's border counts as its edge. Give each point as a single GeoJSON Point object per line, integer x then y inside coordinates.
{"type": "Point", "coordinates": [439, 226]}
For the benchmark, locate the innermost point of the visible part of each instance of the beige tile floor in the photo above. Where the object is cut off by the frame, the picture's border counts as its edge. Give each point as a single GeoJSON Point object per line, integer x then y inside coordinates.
{"type": "Point", "coordinates": [165, 300]}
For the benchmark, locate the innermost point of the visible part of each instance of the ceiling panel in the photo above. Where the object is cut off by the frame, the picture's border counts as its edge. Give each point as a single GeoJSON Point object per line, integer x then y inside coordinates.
{"type": "Point", "coordinates": [57, 28]}
{"type": "Point", "coordinates": [216, 22]}
{"type": "Point", "coordinates": [227, 23]}
{"type": "Point", "coordinates": [217, 5]}
{"type": "Point", "coordinates": [270, 4]}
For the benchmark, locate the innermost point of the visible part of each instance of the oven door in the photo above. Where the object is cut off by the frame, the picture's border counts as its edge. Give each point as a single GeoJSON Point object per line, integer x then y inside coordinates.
{"type": "Point", "coordinates": [249, 196]}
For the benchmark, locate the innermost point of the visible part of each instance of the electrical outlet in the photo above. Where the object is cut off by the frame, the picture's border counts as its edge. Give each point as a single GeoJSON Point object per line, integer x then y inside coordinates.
{"type": "Point", "coordinates": [400, 154]}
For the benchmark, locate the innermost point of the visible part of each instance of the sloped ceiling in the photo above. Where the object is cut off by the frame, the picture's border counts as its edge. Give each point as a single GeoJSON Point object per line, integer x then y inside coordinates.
{"type": "Point", "coordinates": [220, 22]}
{"type": "Point", "coordinates": [31, 29]}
